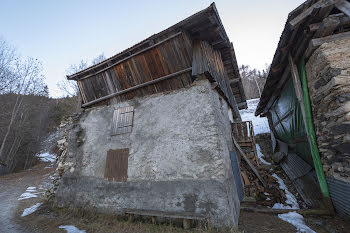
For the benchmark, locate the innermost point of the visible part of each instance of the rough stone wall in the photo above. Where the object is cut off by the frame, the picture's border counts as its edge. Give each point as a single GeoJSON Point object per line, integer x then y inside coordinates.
{"type": "Point", "coordinates": [179, 157]}
{"type": "Point", "coordinates": [328, 73]}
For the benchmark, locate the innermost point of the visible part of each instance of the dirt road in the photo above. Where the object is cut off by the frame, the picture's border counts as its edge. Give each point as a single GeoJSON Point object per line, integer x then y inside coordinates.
{"type": "Point", "coordinates": [11, 188]}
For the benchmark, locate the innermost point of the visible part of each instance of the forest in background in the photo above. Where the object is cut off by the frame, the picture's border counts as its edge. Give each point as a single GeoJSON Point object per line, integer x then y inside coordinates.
{"type": "Point", "coordinates": [28, 114]}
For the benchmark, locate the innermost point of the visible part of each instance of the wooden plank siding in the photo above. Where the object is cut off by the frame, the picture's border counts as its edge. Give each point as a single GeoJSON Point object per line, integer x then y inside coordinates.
{"type": "Point", "coordinates": [207, 60]}
{"type": "Point", "coordinates": [166, 58]}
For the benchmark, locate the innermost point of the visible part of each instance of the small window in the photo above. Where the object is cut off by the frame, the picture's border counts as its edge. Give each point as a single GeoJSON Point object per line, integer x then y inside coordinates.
{"type": "Point", "coordinates": [123, 120]}
{"type": "Point", "coordinates": [117, 165]}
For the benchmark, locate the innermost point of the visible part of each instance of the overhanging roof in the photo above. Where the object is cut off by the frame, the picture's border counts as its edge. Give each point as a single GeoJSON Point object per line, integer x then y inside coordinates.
{"type": "Point", "coordinates": [308, 26]}
{"type": "Point", "coordinates": [204, 25]}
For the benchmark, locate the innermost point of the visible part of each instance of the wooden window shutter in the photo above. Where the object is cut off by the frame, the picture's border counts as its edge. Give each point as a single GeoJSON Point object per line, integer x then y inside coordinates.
{"type": "Point", "coordinates": [117, 165]}
{"type": "Point", "coordinates": [123, 120]}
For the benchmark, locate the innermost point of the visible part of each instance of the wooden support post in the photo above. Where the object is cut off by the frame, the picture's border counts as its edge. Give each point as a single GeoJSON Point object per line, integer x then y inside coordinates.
{"type": "Point", "coordinates": [154, 219]}
{"type": "Point", "coordinates": [186, 224]}
{"type": "Point", "coordinates": [298, 88]}
{"type": "Point", "coordinates": [131, 218]}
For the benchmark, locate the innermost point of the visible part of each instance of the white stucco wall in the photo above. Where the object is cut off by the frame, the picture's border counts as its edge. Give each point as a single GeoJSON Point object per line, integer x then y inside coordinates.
{"type": "Point", "coordinates": [183, 134]}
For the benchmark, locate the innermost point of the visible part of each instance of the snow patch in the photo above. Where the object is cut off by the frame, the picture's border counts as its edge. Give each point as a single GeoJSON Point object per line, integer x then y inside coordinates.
{"type": "Point", "coordinates": [291, 200]}
{"type": "Point", "coordinates": [260, 155]}
{"type": "Point", "coordinates": [31, 209]}
{"type": "Point", "coordinates": [296, 220]}
{"type": "Point", "coordinates": [47, 157]}
{"type": "Point", "coordinates": [72, 229]}
{"type": "Point", "coordinates": [260, 124]}
{"type": "Point", "coordinates": [29, 193]}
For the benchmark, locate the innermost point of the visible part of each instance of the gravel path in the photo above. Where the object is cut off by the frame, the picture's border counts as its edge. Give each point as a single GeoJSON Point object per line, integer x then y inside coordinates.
{"type": "Point", "coordinates": [11, 187]}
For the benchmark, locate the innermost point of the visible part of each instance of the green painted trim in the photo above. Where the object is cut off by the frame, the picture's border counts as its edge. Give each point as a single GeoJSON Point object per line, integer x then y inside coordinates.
{"type": "Point", "coordinates": [311, 131]}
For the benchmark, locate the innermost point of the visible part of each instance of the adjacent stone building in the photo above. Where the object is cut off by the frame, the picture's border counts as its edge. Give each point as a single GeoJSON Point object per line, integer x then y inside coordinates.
{"type": "Point", "coordinates": [307, 100]}
{"type": "Point", "coordinates": [155, 131]}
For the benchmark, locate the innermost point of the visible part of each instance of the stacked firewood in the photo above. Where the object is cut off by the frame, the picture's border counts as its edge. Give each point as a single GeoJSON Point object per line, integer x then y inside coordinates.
{"type": "Point", "coordinates": [254, 189]}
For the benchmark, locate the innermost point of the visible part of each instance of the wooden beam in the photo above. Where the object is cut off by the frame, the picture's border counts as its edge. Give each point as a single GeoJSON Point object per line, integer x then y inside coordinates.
{"type": "Point", "coordinates": [277, 89]}
{"type": "Point", "coordinates": [248, 161]}
{"type": "Point", "coordinates": [315, 43]}
{"type": "Point", "coordinates": [310, 11]}
{"type": "Point", "coordinates": [137, 87]}
{"type": "Point", "coordinates": [343, 20]}
{"type": "Point", "coordinates": [319, 212]}
{"type": "Point", "coordinates": [327, 27]}
{"type": "Point", "coordinates": [343, 6]}
{"type": "Point", "coordinates": [340, 36]}
{"type": "Point", "coordinates": [297, 86]}
{"type": "Point", "coordinates": [128, 57]}
{"type": "Point", "coordinates": [299, 93]}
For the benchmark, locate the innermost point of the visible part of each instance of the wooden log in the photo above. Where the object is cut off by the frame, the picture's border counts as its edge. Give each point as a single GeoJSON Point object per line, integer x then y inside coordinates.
{"type": "Point", "coordinates": [318, 212]}
{"type": "Point", "coordinates": [248, 162]}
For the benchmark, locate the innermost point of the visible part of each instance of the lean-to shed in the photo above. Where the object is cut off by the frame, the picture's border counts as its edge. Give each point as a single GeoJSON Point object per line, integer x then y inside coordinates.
{"type": "Point", "coordinates": [155, 134]}
{"type": "Point", "coordinates": [307, 97]}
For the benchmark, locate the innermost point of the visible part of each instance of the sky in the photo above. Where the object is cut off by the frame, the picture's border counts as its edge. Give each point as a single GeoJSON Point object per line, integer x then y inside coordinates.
{"type": "Point", "coordinates": [61, 33]}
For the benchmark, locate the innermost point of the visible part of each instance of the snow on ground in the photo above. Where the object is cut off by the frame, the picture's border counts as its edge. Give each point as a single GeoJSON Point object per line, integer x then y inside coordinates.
{"type": "Point", "coordinates": [260, 155]}
{"type": "Point", "coordinates": [31, 209]}
{"type": "Point", "coordinates": [47, 157]}
{"type": "Point", "coordinates": [296, 220]}
{"type": "Point", "coordinates": [72, 229]}
{"type": "Point", "coordinates": [291, 200]}
{"type": "Point", "coordinates": [260, 124]}
{"type": "Point", "coordinates": [29, 193]}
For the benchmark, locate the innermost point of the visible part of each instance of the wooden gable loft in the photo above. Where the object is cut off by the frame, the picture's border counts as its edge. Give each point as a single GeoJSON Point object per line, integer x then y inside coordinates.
{"type": "Point", "coordinates": [164, 62]}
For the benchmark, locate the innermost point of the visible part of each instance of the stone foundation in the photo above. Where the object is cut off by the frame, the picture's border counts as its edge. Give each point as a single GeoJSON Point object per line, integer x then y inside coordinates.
{"type": "Point", "coordinates": [328, 73]}
{"type": "Point", "coordinates": [178, 157]}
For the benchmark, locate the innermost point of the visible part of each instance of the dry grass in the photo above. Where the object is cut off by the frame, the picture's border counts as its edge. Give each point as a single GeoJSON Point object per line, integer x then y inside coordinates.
{"type": "Point", "coordinates": [48, 219]}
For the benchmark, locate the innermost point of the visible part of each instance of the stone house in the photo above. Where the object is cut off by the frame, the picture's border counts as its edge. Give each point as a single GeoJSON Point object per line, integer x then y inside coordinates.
{"type": "Point", "coordinates": [154, 134]}
{"type": "Point", "coordinates": [307, 101]}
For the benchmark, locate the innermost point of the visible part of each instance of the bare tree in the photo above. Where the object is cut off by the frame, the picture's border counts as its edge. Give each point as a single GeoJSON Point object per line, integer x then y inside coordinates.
{"type": "Point", "coordinates": [7, 59]}
{"type": "Point", "coordinates": [20, 78]}
{"type": "Point", "coordinates": [98, 59]}
{"type": "Point", "coordinates": [253, 80]}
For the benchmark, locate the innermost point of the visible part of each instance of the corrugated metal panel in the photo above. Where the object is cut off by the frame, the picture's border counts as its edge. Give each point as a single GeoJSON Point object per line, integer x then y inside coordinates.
{"type": "Point", "coordinates": [340, 194]}
{"type": "Point", "coordinates": [237, 175]}
{"type": "Point", "coordinates": [303, 178]}
{"type": "Point", "coordinates": [117, 165]}
{"type": "Point", "coordinates": [295, 166]}
{"type": "Point", "coordinates": [123, 120]}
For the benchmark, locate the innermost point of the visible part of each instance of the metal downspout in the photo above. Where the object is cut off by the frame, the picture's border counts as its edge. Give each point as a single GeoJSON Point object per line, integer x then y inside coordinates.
{"type": "Point", "coordinates": [314, 149]}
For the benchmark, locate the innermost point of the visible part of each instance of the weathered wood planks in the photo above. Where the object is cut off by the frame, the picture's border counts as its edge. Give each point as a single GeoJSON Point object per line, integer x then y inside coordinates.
{"type": "Point", "coordinates": [164, 58]}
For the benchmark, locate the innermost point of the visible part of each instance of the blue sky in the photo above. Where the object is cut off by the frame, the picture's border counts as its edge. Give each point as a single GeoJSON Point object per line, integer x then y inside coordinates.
{"type": "Point", "coordinates": [60, 33]}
